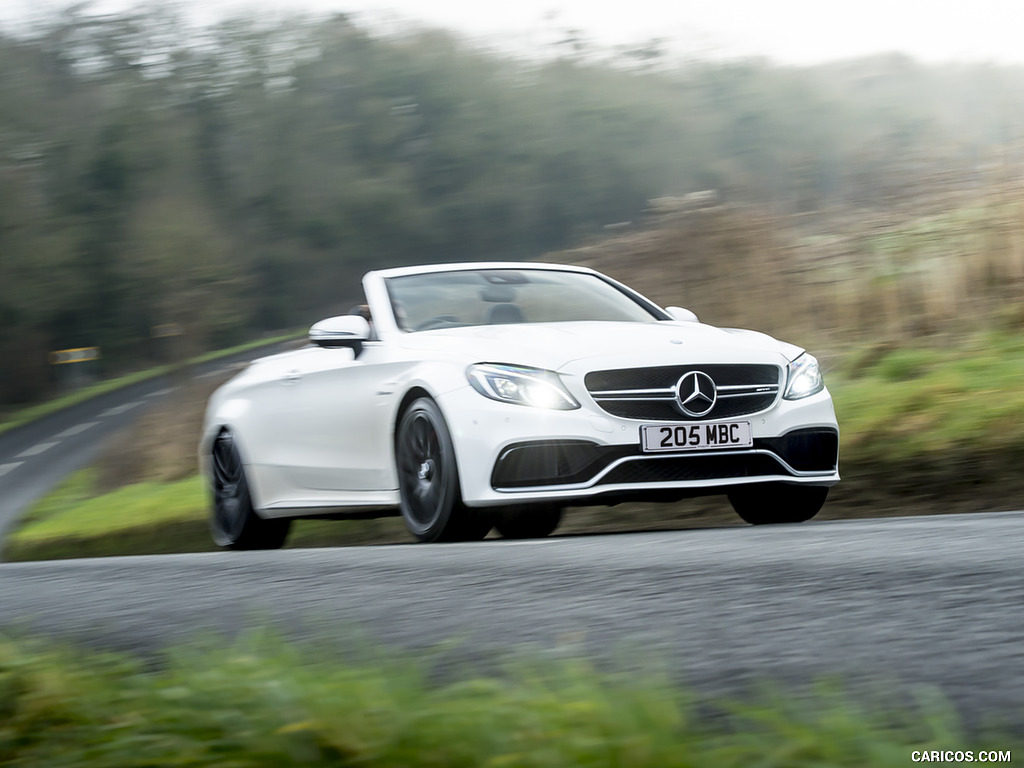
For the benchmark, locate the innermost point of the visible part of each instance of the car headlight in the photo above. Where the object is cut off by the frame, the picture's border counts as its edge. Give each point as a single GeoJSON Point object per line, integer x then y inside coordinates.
{"type": "Point", "coordinates": [522, 386]}
{"type": "Point", "coordinates": [804, 378]}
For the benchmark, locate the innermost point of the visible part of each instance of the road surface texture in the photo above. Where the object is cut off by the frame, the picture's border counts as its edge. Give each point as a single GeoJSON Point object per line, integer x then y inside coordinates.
{"type": "Point", "coordinates": [35, 457]}
{"type": "Point", "coordinates": [921, 601]}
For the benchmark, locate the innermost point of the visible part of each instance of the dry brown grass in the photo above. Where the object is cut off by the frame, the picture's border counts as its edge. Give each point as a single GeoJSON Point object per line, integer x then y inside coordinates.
{"type": "Point", "coordinates": [834, 279]}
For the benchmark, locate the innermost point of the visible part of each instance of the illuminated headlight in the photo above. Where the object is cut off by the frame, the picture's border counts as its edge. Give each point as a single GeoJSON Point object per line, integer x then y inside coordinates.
{"type": "Point", "coordinates": [804, 378]}
{"type": "Point", "coordinates": [523, 386]}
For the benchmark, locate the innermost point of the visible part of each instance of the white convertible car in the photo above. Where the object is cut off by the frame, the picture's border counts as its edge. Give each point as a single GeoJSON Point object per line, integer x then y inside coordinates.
{"type": "Point", "coordinates": [467, 397]}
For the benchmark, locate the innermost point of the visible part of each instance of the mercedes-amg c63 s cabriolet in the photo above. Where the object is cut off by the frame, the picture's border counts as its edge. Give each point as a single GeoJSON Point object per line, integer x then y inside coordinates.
{"type": "Point", "coordinates": [467, 397]}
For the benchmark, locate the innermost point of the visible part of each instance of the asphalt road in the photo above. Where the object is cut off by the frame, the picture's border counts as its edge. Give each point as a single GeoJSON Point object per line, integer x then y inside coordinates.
{"type": "Point", "coordinates": [923, 601]}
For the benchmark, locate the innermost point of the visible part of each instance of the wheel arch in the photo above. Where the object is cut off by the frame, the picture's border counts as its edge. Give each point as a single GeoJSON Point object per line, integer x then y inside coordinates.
{"type": "Point", "coordinates": [413, 394]}
{"type": "Point", "coordinates": [252, 479]}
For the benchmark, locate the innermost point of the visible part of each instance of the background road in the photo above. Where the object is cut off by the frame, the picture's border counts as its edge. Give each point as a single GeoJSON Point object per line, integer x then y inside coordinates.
{"type": "Point", "coordinates": [37, 456]}
{"type": "Point", "coordinates": [924, 600]}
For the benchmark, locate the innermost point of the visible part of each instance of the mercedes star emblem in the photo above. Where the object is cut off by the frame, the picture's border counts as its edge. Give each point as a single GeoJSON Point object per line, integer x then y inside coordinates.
{"type": "Point", "coordinates": [696, 393]}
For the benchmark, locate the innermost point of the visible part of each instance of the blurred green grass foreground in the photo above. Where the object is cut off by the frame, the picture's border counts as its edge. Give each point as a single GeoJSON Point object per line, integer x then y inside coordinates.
{"type": "Point", "coordinates": [261, 702]}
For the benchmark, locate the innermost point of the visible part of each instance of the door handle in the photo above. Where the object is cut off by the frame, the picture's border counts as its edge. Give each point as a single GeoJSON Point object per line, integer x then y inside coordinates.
{"type": "Point", "coordinates": [292, 377]}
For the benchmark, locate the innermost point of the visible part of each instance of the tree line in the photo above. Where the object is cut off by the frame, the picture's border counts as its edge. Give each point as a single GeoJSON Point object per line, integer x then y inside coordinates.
{"type": "Point", "coordinates": [239, 178]}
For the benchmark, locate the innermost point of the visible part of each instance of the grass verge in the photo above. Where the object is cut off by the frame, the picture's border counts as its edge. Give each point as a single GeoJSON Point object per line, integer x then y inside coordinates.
{"type": "Point", "coordinates": [153, 518]}
{"type": "Point", "coordinates": [262, 702]}
{"type": "Point", "coordinates": [34, 412]}
{"type": "Point", "coordinates": [911, 404]}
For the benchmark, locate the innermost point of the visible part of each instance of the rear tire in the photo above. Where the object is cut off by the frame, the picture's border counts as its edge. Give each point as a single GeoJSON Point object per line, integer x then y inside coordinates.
{"type": "Point", "coordinates": [527, 522]}
{"type": "Point", "coordinates": [234, 523]}
{"type": "Point", "coordinates": [428, 479]}
{"type": "Point", "coordinates": [771, 503]}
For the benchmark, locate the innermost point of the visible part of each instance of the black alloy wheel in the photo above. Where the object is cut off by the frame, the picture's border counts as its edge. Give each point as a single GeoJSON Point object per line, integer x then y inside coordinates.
{"type": "Point", "coordinates": [527, 522]}
{"type": "Point", "coordinates": [234, 523]}
{"type": "Point", "coordinates": [770, 503]}
{"type": "Point", "coordinates": [428, 479]}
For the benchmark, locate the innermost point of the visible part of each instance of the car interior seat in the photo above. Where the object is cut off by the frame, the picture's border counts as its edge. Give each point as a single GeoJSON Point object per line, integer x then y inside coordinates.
{"type": "Point", "coordinates": [503, 314]}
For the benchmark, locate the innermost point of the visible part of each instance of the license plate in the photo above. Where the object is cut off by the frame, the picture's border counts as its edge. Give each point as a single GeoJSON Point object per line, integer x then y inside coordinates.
{"type": "Point", "coordinates": [695, 437]}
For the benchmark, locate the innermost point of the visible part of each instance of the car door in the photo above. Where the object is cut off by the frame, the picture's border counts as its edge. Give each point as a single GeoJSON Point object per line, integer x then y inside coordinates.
{"type": "Point", "coordinates": [337, 425]}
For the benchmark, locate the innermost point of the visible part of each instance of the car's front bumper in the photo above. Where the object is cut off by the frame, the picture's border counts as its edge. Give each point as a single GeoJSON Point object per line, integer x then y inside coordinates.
{"type": "Point", "coordinates": [510, 454]}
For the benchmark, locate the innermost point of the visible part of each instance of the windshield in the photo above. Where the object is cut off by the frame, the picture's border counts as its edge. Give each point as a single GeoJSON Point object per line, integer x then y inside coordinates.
{"type": "Point", "coordinates": [501, 296]}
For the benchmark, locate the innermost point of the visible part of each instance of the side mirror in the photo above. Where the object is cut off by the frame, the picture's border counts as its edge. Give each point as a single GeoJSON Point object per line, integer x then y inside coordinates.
{"type": "Point", "coordinates": [342, 331]}
{"type": "Point", "coordinates": [678, 313]}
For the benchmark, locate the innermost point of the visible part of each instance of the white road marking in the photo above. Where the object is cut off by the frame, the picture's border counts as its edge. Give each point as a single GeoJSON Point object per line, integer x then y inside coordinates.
{"type": "Point", "coordinates": [119, 409]}
{"type": "Point", "coordinates": [35, 450]}
{"type": "Point", "coordinates": [5, 468]}
{"type": "Point", "coordinates": [530, 543]}
{"type": "Point", "coordinates": [77, 429]}
{"type": "Point", "coordinates": [162, 392]}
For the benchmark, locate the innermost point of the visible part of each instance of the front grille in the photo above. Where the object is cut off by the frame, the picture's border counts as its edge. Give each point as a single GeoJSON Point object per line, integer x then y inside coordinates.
{"type": "Point", "coordinates": [668, 375]}
{"type": "Point", "coordinates": [667, 410]}
{"type": "Point", "coordinates": [650, 393]}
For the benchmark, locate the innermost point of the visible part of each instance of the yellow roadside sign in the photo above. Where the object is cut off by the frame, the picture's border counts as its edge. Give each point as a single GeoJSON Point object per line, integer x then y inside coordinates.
{"type": "Point", "coordinates": [76, 355]}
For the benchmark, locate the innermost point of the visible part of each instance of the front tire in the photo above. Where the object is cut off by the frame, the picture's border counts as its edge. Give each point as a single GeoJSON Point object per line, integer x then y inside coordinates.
{"type": "Point", "coordinates": [771, 503]}
{"type": "Point", "coordinates": [428, 479]}
{"type": "Point", "coordinates": [234, 523]}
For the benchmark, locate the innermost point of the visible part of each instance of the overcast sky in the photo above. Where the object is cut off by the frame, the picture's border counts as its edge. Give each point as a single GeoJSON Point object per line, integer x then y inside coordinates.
{"type": "Point", "coordinates": [797, 31]}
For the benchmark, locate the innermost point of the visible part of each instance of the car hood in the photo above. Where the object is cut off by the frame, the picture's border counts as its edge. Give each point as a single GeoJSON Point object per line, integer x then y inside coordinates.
{"type": "Point", "coordinates": [574, 346]}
